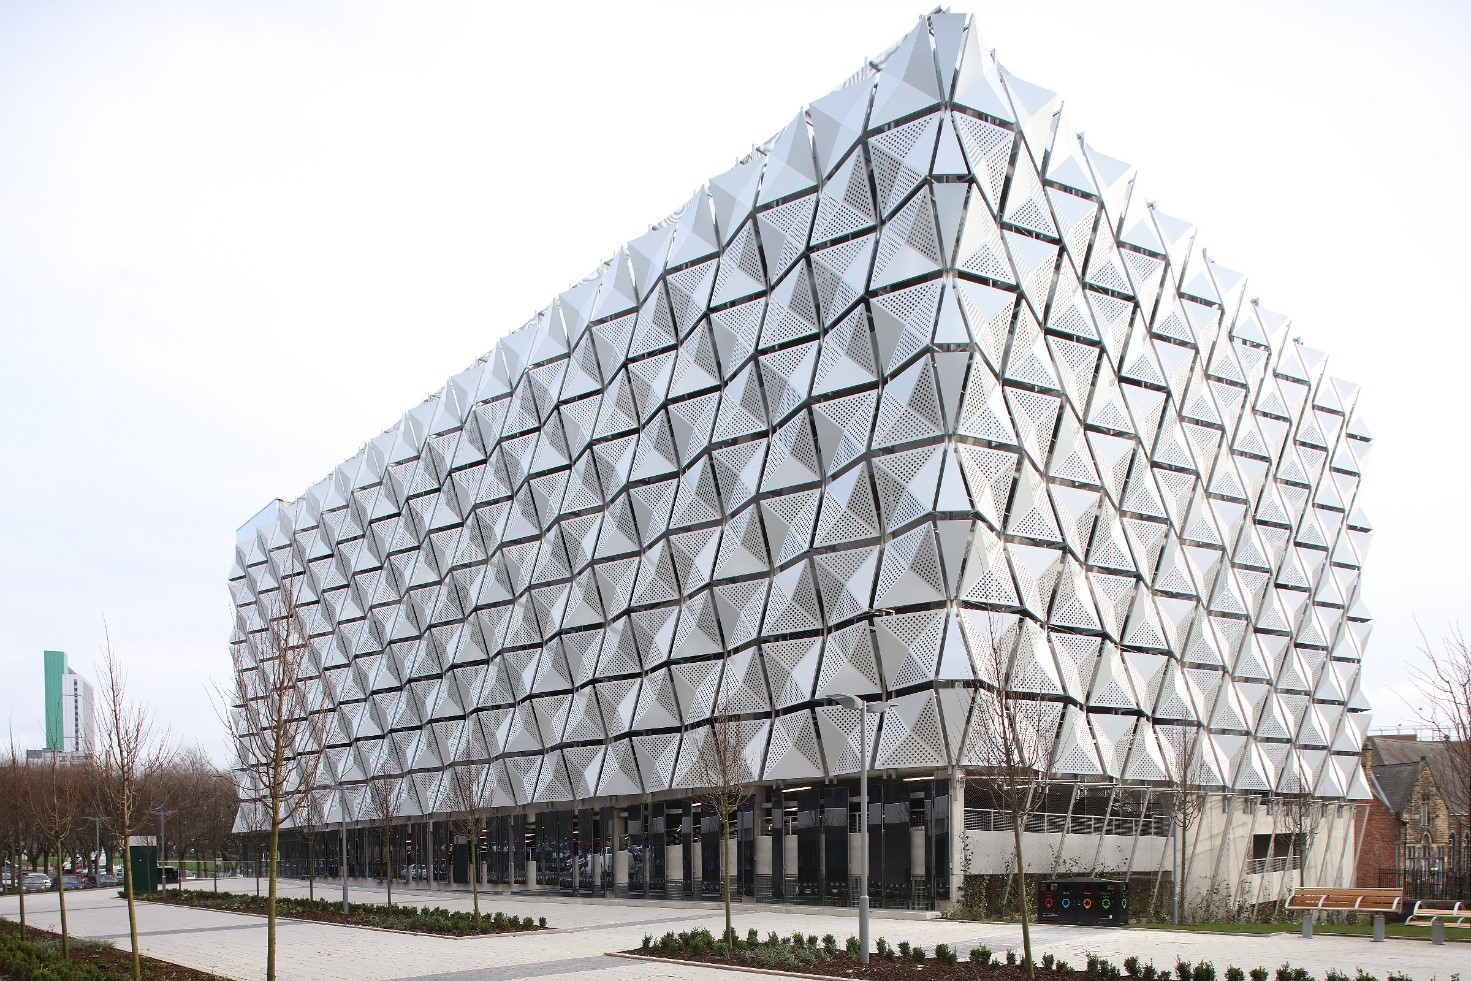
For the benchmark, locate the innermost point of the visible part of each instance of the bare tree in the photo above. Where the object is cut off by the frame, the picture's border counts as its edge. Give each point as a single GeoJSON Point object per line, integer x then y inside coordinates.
{"type": "Point", "coordinates": [1187, 794]}
{"type": "Point", "coordinates": [1015, 734]}
{"type": "Point", "coordinates": [463, 797]}
{"type": "Point", "coordinates": [1301, 814]}
{"type": "Point", "coordinates": [309, 820]}
{"type": "Point", "coordinates": [17, 831]}
{"type": "Point", "coordinates": [383, 799]}
{"type": "Point", "coordinates": [57, 805]}
{"type": "Point", "coordinates": [1445, 687]}
{"type": "Point", "coordinates": [723, 777]}
{"type": "Point", "coordinates": [277, 705]}
{"type": "Point", "coordinates": [128, 772]}
{"type": "Point", "coordinates": [204, 801]}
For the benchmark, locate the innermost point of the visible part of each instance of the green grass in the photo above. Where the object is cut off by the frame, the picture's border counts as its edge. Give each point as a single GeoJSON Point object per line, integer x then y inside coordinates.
{"type": "Point", "coordinates": [1364, 929]}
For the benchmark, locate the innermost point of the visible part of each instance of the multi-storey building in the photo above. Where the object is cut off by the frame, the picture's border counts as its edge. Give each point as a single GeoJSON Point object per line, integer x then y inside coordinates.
{"type": "Point", "coordinates": [921, 397]}
{"type": "Point", "coordinates": [70, 722]}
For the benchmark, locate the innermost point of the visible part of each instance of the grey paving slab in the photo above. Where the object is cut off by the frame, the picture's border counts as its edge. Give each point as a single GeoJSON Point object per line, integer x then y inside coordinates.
{"type": "Point", "coordinates": [233, 945]}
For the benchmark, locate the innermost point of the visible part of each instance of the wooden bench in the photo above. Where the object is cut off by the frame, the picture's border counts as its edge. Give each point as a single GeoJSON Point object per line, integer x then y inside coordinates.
{"type": "Point", "coordinates": [1312, 899]}
{"type": "Point", "coordinates": [1439, 915]}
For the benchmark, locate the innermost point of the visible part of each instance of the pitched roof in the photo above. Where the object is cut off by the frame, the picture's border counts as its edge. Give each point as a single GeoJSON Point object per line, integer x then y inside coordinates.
{"type": "Point", "coordinates": [1444, 758]}
{"type": "Point", "coordinates": [1396, 783]}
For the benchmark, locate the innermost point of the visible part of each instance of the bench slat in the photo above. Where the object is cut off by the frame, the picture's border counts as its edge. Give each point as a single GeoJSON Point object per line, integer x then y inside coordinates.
{"type": "Point", "coordinates": [1368, 900]}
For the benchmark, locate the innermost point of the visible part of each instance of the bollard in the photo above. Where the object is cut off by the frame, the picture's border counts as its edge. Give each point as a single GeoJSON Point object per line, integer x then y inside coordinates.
{"type": "Point", "coordinates": [1437, 931]}
{"type": "Point", "coordinates": [1307, 924]}
{"type": "Point", "coordinates": [1379, 928]}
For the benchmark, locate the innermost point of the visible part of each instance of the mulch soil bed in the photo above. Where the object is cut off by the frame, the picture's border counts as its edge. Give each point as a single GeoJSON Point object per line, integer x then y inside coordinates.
{"type": "Point", "coordinates": [408, 919]}
{"type": "Point", "coordinates": [840, 965]}
{"type": "Point", "coordinates": [113, 961]}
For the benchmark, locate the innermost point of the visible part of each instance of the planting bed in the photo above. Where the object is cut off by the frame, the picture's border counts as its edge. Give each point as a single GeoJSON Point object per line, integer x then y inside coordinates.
{"type": "Point", "coordinates": [807, 954]}
{"type": "Point", "coordinates": [38, 956]}
{"type": "Point", "coordinates": [411, 919]}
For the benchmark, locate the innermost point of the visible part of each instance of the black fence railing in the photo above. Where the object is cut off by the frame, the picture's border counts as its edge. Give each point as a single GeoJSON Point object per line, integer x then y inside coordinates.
{"type": "Point", "coordinates": [1446, 883]}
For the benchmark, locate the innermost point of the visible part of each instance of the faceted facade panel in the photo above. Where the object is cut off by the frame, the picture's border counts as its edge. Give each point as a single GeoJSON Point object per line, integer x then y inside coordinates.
{"type": "Point", "coordinates": [923, 374]}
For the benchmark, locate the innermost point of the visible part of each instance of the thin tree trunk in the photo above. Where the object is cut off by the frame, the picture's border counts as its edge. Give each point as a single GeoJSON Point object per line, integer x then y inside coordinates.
{"type": "Point", "coordinates": [311, 865]}
{"type": "Point", "coordinates": [271, 897]}
{"type": "Point", "coordinates": [132, 909]}
{"type": "Point", "coordinates": [475, 872]}
{"type": "Point", "coordinates": [388, 865]}
{"type": "Point", "coordinates": [66, 948]}
{"type": "Point", "coordinates": [19, 876]}
{"type": "Point", "coordinates": [1021, 886]}
{"type": "Point", "coordinates": [725, 879]}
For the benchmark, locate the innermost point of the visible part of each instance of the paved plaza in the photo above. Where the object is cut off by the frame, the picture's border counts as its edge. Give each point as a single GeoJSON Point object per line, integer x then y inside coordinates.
{"type": "Point", "coordinates": [233, 945]}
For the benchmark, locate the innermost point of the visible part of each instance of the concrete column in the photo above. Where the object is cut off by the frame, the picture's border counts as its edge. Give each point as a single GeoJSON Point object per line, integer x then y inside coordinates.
{"type": "Point", "coordinates": [763, 866]}
{"type": "Point", "coordinates": [674, 871]}
{"type": "Point", "coordinates": [789, 865]}
{"type": "Point", "coordinates": [429, 853]}
{"type": "Point", "coordinates": [697, 865]}
{"type": "Point", "coordinates": [620, 852]}
{"type": "Point", "coordinates": [957, 836]}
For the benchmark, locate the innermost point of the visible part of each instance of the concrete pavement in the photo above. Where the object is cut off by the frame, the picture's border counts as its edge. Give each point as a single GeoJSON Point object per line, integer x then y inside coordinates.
{"type": "Point", "coordinates": [233, 945]}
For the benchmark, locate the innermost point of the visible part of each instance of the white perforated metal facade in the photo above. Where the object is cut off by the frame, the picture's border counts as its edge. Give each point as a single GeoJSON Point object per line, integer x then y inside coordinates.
{"type": "Point", "coordinates": [922, 371]}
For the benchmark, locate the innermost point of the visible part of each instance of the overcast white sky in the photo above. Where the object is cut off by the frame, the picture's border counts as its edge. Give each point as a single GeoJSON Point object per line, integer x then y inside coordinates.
{"type": "Point", "coordinates": [239, 239]}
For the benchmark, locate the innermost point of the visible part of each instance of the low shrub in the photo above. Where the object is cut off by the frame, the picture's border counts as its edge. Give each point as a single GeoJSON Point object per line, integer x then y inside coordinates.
{"type": "Point", "coordinates": [917, 954]}
{"type": "Point", "coordinates": [1183, 970]}
{"type": "Point", "coordinates": [1234, 973]}
{"type": "Point", "coordinates": [1206, 971]}
{"type": "Point", "coordinates": [830, 944]}
{"type": "Point", "coordinates": [1333, 975]}
{"type": "Point", "coordinates": [904, 949]}
{"type": "Point", "coordinates": [945, 954]}
{"type": "Point", "coordinates": [851, 946]}
{"type": "Point", "coordinates": [980, 955]}
{"type": "Point", "coordinates": [882, 948]}
{"type": "Point", "coordinates": [436, 920]}
{"type": "Point", "coordinates": [1132, 967]}
{"type": "Point", "coordinates": [1258, 974]}
{"type": "Point", "coordinates": [1010, 957]}
{"type": "Point", "coordinates": [1048, 960]}
{"type": "Point", "coordinates": [1362, 975]}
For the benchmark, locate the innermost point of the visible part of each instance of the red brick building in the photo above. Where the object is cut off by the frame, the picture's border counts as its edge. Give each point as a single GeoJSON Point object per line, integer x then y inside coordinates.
{"type": "Point", "coordinates": [1415, 832]}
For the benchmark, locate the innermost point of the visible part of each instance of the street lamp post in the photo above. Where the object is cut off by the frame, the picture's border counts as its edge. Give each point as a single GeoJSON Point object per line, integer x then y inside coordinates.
{"type": "Point", "coordinates": [96, 849]}
{"type": "Point", "coordinates": [864, 710]}
{"type": "Point", "coordinates": [163, 823]}
{"type": "Point", "coordinates": [343, 863]}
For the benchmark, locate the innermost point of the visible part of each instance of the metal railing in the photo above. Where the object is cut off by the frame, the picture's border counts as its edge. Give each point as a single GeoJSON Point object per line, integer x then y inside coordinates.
{"type": "Point", "coordinates": [1277, 863]}
{"type": "Point", "coordinates": [1042, 822]}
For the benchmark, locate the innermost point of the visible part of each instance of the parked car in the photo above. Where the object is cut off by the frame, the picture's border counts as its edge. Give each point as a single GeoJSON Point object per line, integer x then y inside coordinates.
{"type": "Point", "coordinates": [71, 882]}
{"type": "Point", "coordinates": [36, 882]}
{"type": "Point", "coordinates": [107, 879]}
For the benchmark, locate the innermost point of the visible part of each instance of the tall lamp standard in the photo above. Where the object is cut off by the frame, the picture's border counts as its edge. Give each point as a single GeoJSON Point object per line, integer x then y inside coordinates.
{"type": "Point", "coordinates": [342, 795]}
{"type": "Point", "coordinates": [96, 849]}
{"type": "Point", "coordinates": [163, 823]}
{"type": "Point", "coordinates": [864, 710]}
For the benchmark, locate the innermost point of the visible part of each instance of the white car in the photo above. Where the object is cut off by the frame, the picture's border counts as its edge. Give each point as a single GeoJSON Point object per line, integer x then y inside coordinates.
{"type": "Point", "coordinates": [36, 882]}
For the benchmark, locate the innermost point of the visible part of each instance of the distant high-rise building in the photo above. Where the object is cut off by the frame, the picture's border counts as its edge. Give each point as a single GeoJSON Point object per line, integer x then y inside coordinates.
{"type": "Point", "coordinates": [69, 725]}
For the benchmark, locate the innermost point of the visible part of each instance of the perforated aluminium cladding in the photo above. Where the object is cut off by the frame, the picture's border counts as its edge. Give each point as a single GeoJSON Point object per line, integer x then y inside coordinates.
{"type": "Point", "coordinates": [922, 371]}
